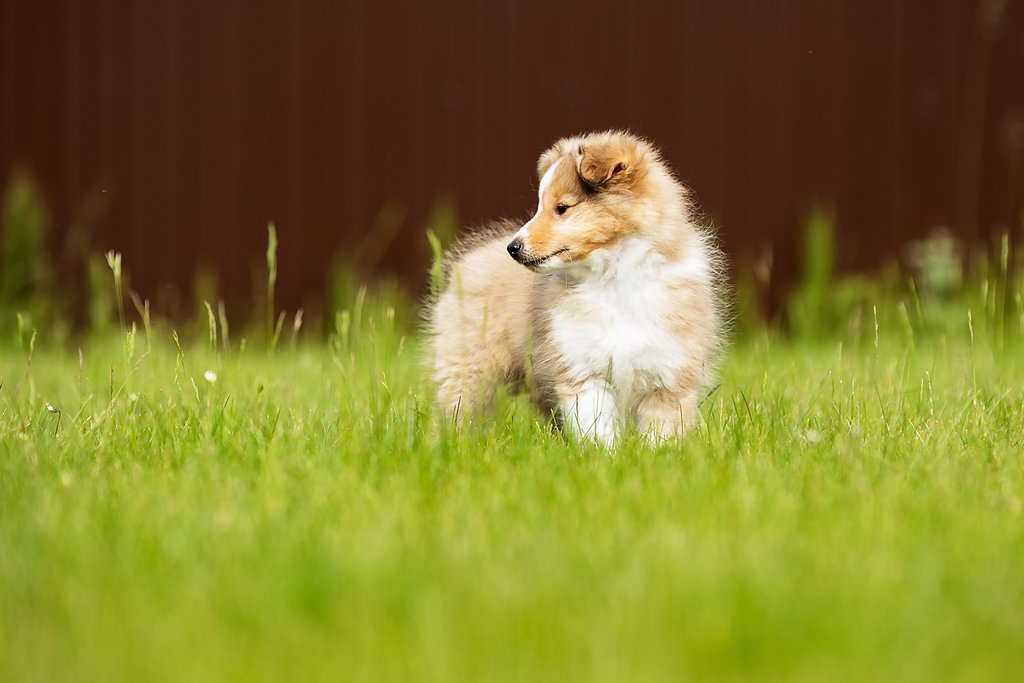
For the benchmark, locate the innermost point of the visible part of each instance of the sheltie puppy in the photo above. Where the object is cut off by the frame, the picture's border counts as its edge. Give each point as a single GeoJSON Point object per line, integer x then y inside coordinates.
{"type": "Point", "coordinates": [607, 305]}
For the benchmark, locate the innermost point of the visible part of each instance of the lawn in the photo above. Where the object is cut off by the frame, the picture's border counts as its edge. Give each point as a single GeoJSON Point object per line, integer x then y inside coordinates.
{"type": "Point", "coordinates": [848, 508]}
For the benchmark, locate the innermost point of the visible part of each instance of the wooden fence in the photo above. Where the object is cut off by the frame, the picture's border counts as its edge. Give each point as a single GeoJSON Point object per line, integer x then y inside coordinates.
{"type": "Point", "coordinates": [174, 130]}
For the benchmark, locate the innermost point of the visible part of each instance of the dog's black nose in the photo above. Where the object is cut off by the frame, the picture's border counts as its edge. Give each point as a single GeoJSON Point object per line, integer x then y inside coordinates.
{"type": "Point", "coordinates": [514, 247]}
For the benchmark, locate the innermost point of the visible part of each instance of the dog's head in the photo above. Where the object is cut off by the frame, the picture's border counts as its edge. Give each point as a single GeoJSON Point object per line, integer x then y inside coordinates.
{"type": "Point", "coordinates": [591, 194]}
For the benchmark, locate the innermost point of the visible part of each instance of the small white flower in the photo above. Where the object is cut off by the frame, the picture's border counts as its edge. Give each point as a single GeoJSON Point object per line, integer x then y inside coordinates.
{"type": "Point", "coordinates": [210, 376]}
{"type": "Point", "coordinates": [51, 408]}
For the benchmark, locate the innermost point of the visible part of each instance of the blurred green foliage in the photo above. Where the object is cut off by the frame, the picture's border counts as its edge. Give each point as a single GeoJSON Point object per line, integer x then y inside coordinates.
{"type": "Point", "coordinates": [931, 288]}
{"type": "Point", "coordinates": [936, 280]}
{"type": "Point", "coordinates": [26, 272]}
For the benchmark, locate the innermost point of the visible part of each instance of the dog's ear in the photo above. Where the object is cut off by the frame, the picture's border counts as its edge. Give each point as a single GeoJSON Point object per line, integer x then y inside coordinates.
{"type": "Point", "coordinates": [607, 165]}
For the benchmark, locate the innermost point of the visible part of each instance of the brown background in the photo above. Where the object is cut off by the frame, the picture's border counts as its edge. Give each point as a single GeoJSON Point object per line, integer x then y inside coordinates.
{"type": "Point", "coordinates": [174, 130]}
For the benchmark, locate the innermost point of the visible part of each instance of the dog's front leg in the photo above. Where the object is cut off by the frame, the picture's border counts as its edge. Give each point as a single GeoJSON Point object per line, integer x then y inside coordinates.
{"type": "Point", "coordinates": [665, 414]}
{"type": "Point", "coordinates": [590, 411]}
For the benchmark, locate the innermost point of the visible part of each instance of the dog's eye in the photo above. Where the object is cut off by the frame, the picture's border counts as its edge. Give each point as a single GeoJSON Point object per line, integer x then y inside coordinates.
{"type": "Point", "coordinates": [561, 208]}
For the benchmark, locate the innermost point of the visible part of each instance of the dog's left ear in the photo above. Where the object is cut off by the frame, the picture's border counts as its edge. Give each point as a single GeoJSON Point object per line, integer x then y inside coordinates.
{"type": "Point", "coordinates": [606, 165]}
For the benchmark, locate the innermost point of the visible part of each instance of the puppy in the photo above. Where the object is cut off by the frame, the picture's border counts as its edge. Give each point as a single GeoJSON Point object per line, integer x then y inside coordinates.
{"type": "Point", "coordinates": [606, 305]}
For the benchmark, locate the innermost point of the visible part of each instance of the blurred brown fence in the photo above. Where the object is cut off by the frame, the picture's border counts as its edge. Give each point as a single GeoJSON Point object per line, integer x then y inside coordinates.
{"type": "Point", "coordinates": [174, 130]}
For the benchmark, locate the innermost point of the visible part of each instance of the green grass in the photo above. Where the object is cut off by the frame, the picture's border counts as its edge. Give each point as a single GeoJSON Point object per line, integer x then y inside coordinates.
{"type": "Point", "coordinates": [845, 510]}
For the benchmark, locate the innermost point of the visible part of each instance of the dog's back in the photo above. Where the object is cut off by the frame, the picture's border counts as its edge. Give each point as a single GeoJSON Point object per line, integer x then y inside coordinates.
{"type": "Point", "coordinates": [480, 321]}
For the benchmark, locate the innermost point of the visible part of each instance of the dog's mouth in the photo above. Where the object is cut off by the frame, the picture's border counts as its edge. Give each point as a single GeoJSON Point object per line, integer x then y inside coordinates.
{"type": "Point", "coordinates": [533, 262]}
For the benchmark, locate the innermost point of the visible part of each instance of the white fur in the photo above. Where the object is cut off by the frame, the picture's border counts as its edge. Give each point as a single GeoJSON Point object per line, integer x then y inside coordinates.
{"type": "Point", "coordinates": [616, 331]}
{"type": "Point", "coordinates": [592, 413]}
{"type": "Point", "coordinates": [545, 183]}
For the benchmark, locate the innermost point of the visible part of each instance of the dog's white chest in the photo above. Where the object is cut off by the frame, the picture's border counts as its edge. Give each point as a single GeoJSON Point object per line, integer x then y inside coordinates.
{"type": "Point", "coordinates": [619, 334]}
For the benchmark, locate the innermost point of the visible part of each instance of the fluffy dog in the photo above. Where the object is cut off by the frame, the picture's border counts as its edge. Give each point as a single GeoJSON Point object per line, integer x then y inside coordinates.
{"type": "Point", "coordinates": [606, 305]}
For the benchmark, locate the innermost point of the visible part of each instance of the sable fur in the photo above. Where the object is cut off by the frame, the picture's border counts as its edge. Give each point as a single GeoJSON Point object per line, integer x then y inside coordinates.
{"type": "Point", "coordinates": [609, 308]}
